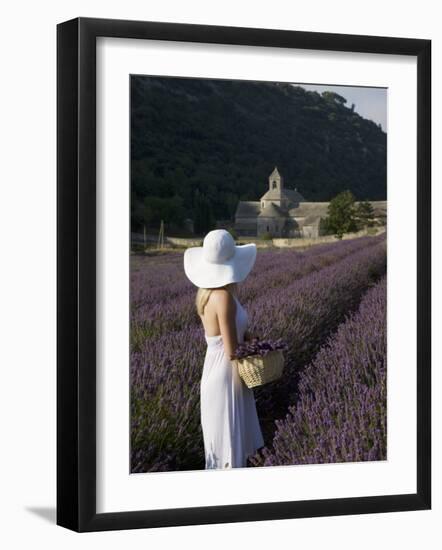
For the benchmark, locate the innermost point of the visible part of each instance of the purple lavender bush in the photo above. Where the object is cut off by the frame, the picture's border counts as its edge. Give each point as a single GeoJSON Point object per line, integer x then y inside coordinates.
{"type": "Point", "coordinates": [162, 298]}
{"type": "Point", "coordinates": [300, 297]}
{"type": "Point", "coordinates": [305, 312]}
{"type": "Point", "coordinates": [165, 416]}
{"type": "Point", "coordinates": [341, 412]}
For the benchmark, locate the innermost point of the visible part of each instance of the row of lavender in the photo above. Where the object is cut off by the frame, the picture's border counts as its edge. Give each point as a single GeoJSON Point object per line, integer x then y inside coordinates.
{"type": "Point", "coordinates": [340, 415]}
{"type": "Point", "coordinates": [167, 280]}
{"type": "Point", "coordinates": [304, 313]}
{"type": "Point", "coordinates": [163, 299]}
{"type": "Point", "coordinates": [166, 366]}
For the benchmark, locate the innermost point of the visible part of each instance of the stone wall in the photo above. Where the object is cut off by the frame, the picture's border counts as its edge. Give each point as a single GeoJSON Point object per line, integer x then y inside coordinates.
{"type": "Point", "coordinates": [179, 241]}
{"type": "Point", "coordinates": [270, 225]}
{"type": "Point", "coordinates": [279, 243]}
{"type": "Point", "coordinates": [310, 232]}
{"type": "Point", "coordinates": [302, 242]}
{"type": "Point", "coordinates": [245, 226]}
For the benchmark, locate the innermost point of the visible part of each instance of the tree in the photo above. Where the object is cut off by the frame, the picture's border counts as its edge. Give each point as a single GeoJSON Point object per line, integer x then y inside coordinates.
{"type": "Point", "coordinates": [365, 214]}
{"type": "Point", "coordinates": [226, 140]}
{"type": "Point", "coordinates": [341, 214]}
{"type": "Point", "coordinates": [170, 210]}
{"type": "Point", "coordinates": [232, 231]}
{"type": "Point", "coordinates": [334, 97]}
{"type": "Point", "coordinates": [203, 219]}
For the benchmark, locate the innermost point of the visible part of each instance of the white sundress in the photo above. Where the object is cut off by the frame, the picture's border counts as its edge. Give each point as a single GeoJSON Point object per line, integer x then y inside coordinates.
{"type": "Point", "coordinates": [229, 419]}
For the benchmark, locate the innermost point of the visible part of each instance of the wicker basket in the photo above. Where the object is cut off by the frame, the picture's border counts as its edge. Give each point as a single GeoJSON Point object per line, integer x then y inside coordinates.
{"type": "Point", "coordinates": [257, 370]}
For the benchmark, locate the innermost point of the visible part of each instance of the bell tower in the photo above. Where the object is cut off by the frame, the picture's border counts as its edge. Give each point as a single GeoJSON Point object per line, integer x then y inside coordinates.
{"type": "Point", "coordinates": [276, 181]}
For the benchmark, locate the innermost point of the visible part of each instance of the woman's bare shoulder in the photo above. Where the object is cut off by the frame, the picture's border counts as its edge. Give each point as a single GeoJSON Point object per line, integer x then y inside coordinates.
{"type": "Point", "coordinates": [222, 299]}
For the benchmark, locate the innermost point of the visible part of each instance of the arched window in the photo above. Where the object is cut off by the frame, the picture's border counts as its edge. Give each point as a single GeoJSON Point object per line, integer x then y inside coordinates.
{"type": "Point", "coordinates": [273, 184]}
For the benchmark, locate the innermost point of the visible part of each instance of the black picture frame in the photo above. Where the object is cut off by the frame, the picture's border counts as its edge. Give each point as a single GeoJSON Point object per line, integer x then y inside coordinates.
{"type": "Point", "coordinates": [76, 273]}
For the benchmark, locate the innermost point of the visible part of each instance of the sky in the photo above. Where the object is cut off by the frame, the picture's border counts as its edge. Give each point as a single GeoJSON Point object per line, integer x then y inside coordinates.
{"type": "Point", "coordinates": [369, 102]}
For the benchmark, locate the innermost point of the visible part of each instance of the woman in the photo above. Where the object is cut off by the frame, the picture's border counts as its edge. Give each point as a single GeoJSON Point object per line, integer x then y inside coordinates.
{"type": "Point", "coordinates": [229, 420]}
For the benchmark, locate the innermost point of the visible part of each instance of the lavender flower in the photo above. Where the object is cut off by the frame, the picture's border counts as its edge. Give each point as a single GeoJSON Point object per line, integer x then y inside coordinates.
{"type": "Point", "coordinates": [259, 347]}
{"type": "Point", "coordinates": [340, 415]}
{"type": "Point", "coordinates": [300, 298]}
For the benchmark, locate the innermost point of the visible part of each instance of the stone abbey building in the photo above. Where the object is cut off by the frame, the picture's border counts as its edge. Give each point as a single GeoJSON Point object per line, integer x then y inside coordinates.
{"type": "Point", "coordinates": [284, 212]}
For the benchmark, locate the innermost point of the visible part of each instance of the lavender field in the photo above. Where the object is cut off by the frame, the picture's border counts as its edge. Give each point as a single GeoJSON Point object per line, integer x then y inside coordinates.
{"type": "Point", "coordinates": [328, 303]}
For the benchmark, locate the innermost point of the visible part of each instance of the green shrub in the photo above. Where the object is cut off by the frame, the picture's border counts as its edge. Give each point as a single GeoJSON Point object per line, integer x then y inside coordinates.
{"type": "Point", "coordinates": [234, 234]}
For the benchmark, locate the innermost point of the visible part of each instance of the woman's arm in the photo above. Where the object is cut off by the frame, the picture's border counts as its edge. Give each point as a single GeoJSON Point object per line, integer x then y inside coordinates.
{"type": "Point", "coordinates": [226, 312]}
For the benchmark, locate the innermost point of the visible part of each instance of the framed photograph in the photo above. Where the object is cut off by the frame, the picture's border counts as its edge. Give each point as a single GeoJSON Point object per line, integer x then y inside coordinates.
{"type": "Point", "coordinates": [243, 274]}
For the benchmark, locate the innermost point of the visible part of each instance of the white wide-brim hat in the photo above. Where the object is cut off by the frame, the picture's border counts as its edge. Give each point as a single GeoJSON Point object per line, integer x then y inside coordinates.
{"type": "Point", "coordinates": [219, 261]}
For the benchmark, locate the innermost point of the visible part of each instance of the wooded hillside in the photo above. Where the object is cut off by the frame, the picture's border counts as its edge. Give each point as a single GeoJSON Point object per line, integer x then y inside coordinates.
{"type": "Point", "coordinates": [201, 144]}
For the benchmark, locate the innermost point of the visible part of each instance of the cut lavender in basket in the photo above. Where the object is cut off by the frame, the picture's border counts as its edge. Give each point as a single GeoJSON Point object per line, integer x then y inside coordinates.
{"type": "Point", "coordinates": [259, 347]}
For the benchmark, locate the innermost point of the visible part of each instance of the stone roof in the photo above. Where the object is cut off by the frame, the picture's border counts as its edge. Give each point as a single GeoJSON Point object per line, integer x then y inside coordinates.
{"type": "Point", "coordinates": [294, 195]}
{"type": "Point", "coordinates": [306, 209]}
{"type": "Point", "coordinates": [272, 195]}
{"type": "Point", "coordinates": [379, 207]}
{"type": "Point", "coordinates": [248, 209]}
{"type": "Point", "coordinates": [275, 173]}
{"type": "Point", "coordinates": [380, 204]}
{"type": "Point", "coordinates": [272, 211]}
{"type": "Point", "coordinates": [276, 194]}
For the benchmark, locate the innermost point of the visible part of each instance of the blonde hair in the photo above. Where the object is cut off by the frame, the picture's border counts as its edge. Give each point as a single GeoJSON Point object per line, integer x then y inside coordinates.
{"type": "Point", "coordinates": [203, 295]}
